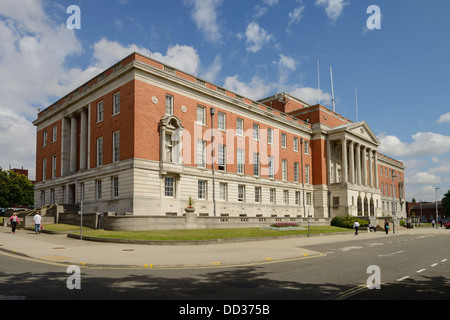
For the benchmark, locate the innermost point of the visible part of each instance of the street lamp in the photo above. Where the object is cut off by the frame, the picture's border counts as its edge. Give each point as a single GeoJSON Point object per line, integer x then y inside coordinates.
{"type": "Point", "coordinates": [420, 212]}
{"type": "Point", "coordinates": [212, 112]}
{"type": "Point", "coordinates": [393, 200]}
{"type": "Point", "coordinates": [437, 213]}
{"type": "Point", "coordinates": [303, 183]}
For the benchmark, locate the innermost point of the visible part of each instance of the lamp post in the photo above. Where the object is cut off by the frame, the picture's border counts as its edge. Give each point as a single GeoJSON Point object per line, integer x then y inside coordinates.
{"type": "Point", "coordinates": [393, 200]}
{"type": "Point", "coordinates": [212, 113]}
{"type": "Point", "coordinates": [420, 221]}
{"type": "Point", "coordinates": [303, 183]}
{"type": "Point", "coordinates": [437, 213]}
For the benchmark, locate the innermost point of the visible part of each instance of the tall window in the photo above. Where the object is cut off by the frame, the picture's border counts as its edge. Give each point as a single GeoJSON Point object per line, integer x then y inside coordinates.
{"type": "Point", "coordinates": [240, 161]}
{"type": "Point", "coordinates": [239, 127]}
{"type": "Point", "coordinates": [297, 197]}
{"type": "Point", "coordinates": [295, 144]}
{"type": "Point", "coordinates": [116, 146]}
{"type": "Point", "coordinates": [54, 166]}
{"type": "Point", "coordinates": [100, 152]}
{"type": "Point", "coordinates": [44, 169]}
{"type": "Point", "coordinates": [222, 121]}
{"type": "Point", "coordinates": [283, 140]}
{"type": "Point", "coordinates": [201, 153]}
{"type": "Point", "coordinates": [257, 194]}
{"type": "Point", "coordinates": [115, 187]}
{"type": "Point", "coordinates": [307, 174]}
{"type": "Point", "coordinates": [296, 173]}
{"type": "Point", "coordinates": [44, 143]}
{"type": "Point", "coordinates": [306, 146]}
{"type": "Point", "coordinates": [222, 157]}
{"type": "Point", "coordinates": [116, 103]}
{"type": "Point", "coordinates": [98, 189]}
{"type": "Point", "coordinates": [256, 132]}
{"type": "Point", "coordinates": [256, 165]}
{"type": "Point", "coordinates": [202, 189]}
{"type": "Point", "coordinates": [223, 191]}
{"type": "Point", "coordinates": [270, 136]}
{"type": "Point", "coordinates": [284, 169]}
{"type": "Point", "coordinates": [169, 105]}
{"type": "Point", "coordinates": [55, 133]}
{"type": "Point", "coordinates": [271, 167]}
{"type": "Point", "coordinates": [241, 193]}
{"type": "Point", "coordinates": [273, 195]}
{"type": "Point", "coordinates": [201, 115]}
{"type": "Point", "coordinates": [286, 196]}
{"type": "Point", "coordinates": [100, 111]}
{"type": "Point", "coordinates": [169, 187]}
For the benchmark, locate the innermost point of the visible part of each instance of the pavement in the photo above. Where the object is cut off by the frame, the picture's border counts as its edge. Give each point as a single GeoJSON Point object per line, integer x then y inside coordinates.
{"type": "Point", "coordinates": [62, 250]}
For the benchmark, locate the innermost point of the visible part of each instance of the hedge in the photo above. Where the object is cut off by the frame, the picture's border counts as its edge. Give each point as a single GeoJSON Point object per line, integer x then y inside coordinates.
{"type": "Point", "coordinates": [347, 222]}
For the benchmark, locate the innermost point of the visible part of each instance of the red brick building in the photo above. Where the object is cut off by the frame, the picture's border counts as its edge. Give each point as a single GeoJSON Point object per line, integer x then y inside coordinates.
{"type": "Point", "coordinates": [137, 138]}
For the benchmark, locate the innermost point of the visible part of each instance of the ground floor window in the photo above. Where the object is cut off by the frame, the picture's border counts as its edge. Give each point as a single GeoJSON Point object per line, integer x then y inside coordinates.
{"type": "Point", "coordinates": [169, 187]}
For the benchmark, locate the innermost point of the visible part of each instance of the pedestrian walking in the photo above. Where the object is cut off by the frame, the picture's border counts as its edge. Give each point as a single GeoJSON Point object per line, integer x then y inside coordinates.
{"type": "Point", "coordinates": [14, 221]}
{"type": "Point", "coordinates": [37, 222]}
{"type": "Point", "coordinates": [356, 227]}
{"type": "Point", "coordinates": [386, 226]}
{"type": "Point", "coordinates": [432, 223]}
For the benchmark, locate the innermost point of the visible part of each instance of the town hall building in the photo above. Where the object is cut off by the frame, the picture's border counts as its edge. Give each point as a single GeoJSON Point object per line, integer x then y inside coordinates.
{"type": "Point", "coordinates": [140, 138]}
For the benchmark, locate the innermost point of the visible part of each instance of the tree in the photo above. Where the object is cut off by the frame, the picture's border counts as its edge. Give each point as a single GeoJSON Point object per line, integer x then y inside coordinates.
{"type": "Point", "coordinates": [15, 189]}
{"type": "Point", "coordinates": [446, 204]}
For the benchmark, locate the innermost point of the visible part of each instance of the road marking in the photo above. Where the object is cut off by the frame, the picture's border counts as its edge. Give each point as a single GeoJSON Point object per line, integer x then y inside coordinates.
{"type": "Point", "coordinates": [350, 248]}
{"type": "Point", "coordinates": [434, 265]}
{"type": "Point", "coordinates": [421, 270]}
{"type": "Point", "coordinates": [390, 254]}
{"type": "Point", "coordinates": [404, 278]}
{"type": "Point", "coordinates": [444, 260]}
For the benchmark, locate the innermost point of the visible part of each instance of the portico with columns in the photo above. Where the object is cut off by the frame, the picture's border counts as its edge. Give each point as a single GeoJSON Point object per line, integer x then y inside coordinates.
{"type": "Point", "coordinates": [352, 162]}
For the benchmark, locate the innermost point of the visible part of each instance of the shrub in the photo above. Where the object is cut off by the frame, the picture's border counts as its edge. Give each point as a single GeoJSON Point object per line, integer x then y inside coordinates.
{"type": "Point", "coordinates": [347, 222]}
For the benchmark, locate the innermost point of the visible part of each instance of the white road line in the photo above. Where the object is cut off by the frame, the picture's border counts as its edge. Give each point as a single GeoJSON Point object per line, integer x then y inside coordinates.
{"type": "Point", "coordinates": [421, 270]}
{"type": "Point", "coordinates": [404, 278]}
{"type": "Point", "coordinates": [434, 265]}
{"type": "Point", "coordinates": [444, 260]}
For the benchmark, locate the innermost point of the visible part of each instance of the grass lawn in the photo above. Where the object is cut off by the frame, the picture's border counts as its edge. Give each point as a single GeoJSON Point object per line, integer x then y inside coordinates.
{"type": "Point", "coordinates": [208, 234]}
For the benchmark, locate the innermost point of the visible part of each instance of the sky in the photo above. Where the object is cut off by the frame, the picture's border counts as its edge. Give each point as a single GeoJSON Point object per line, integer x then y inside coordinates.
{"type": "Point", "coordinates": [256, 48]}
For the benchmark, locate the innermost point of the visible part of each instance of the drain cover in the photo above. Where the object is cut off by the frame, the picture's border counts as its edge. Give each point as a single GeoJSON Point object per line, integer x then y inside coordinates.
{"type": "Point", "coordinates": [128, 250]}
{"type": "Point", "coordinates": [58, 248]}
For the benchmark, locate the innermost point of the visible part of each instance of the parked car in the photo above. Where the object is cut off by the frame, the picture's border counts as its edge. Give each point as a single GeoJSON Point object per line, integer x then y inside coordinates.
{"type": "Point", "coordinates": [447, 225]}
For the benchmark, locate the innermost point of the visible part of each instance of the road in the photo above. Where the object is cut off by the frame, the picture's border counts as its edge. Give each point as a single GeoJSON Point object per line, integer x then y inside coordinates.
{"type": "Point", "coordinates": [409, 266]}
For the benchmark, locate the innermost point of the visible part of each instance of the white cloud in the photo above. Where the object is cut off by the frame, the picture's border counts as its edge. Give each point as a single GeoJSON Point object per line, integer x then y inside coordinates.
{"type": "Point", "coordinates": [255, 90]}
{"type": "Point", "coordinates": [445, 118]}
{"type": "Point", "coordinates": [271, 2]}
{"type": "Point", "coordinates": [181, 57]}
{"type": "Point", "coordinates": [311, 95]}
{"type": "Point", "coordinates": [424, 143]}
{"type": "Point", "coordinates": [256, 37]}
{"type": "Point", "coordinates": [333, 8]}
{"type": "Point", "coordinates": [211, 73]}
{"type": "Point", "coordinates": [204, 14]}
{"type": "Point", "coordinates": [421, 178]}
{"type": "Point", "coordinates": [295, 15]}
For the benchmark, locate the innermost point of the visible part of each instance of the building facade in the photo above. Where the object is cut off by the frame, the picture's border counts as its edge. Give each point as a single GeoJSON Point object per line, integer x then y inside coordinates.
{"type": "Point", "coordinates": [141, 137]}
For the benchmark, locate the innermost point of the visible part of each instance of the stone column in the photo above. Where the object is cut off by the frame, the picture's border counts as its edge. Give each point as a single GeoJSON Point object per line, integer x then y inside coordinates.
{"type": "Point", "coordinates": [344, 161]}
{"type": "Point", "coordinates": [375, 156]}
{"type": "Point", "coordinates": [369, 154]}
{"type": "Point", "coordinates": [83, 139]}
{"type": "Point", "coordinates": [358, 164]}
{"type": "Point", "coordinates": [351, 177]}
{"type": "Point", "coordinates": [364, 166]}
{"type": "Point", "coordinates": [329, 161]}
{"type": "Point", "coordinates": [73, 143]}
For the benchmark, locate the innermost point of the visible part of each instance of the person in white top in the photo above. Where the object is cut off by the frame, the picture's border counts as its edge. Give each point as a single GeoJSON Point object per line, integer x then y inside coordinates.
{"type": "Point", "coordinates": [356, 227]}
{"type": "Point", "coordinates": [37, 222]}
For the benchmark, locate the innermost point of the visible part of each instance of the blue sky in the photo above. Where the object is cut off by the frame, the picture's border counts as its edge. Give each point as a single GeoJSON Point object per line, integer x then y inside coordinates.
{"type": "Point", "coordinates": [256, 48]}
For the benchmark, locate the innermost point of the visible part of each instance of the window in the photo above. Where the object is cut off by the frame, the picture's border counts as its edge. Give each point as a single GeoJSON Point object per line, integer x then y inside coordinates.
{"type": "Point", "coordinates": [257, 194]}
{"type": "Point", "coordinates": [284, 170]}
{"type": "Point", "coordinates": [100, 152]}
{"type": "Point", "coordinates": [256, 165]}
{"type": "Point", "coordinates": [55, 133]}
{"type": "Point", "coordinates": [271, 167]}
{"type": "Point", "coordinates": [114, 187]}
{"type": "Point", "coordinates": [116, 103]}
{"type": "Point", "coordinates": [202, 190]}
{"type": "Point", "coordinates": [239, 127]}
{"type": "Point", "coordinates": [82, 189]}
{"type": "Point", "coordinates": [201, 153]}
{"type": "Point", "coordinates": [297, 197]}
{"type": "Point", "coordinates": [273, 195]}
{"type": "Point", "coordinates": [44, 143]}
{"type": "Point", "coordinates": [307, 171]}
{"type": "Point", "coordinates": [256, 132]}
{"type": "Point", "coordinates": [270, 136]}
{"type": "Point", "coordinates": [201, 115]}
{"type": "Point", "coordinates": [42, 198]}
{"type": "Point", "coordinates": [44, 169]}
{"type": "Point", "coordinates": [98, 189]}
{"type": "Point", "coordinates": [241, 193]}
{"type": "Point", "coordinates": [54, 166]}
{"type": "Point", "coordinates": [308, 199]}
{"type": "Point", "coordinates": [169, 105]}
{"type": "Point", "coordinates": [240, 161]}
{"type": "Point", "coordinates": [283, 140]}
{"type": "Point", "coordinates": [52, 196]}
{"type": "Point", "coordinates": [100, 111]}
{"type": "Point", "coordinates": [223, 191]}
{"type": "Point", "coordinates": [222, 121]}
{"type": "Point", "coordinates": [169, 187]}
{"type": "Point", "coordinates": [295, 144]}
{"type": "Point", "coordinates": [296, 173]}
{"type": "Point", "coordinates": [116, 146]}
{"type": "Point", "coordinates": [222, 157]}
{"type": "Point", "coordinates": [286, 197]}
{"type": "Point", "coordinates": [306, 147]}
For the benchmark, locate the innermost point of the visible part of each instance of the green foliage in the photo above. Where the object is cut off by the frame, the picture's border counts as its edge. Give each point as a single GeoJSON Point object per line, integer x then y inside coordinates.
{"type": "Point", "coordinates": [347, 222]}
{"type": "Point", "coordinates": [15, 189]}
{"type": "Point", "coordinates": [446, 204]}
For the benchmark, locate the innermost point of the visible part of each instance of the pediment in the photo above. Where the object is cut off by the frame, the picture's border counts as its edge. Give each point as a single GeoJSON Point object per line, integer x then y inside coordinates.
{"type": "Point", "coordinates": [360, 130]}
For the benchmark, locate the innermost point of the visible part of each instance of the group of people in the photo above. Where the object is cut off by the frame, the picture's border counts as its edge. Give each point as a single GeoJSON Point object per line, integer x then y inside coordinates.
{"type": "Point", "coordinates": [356, 226]}
{"type": "Point", "coordinates": [37, 222]}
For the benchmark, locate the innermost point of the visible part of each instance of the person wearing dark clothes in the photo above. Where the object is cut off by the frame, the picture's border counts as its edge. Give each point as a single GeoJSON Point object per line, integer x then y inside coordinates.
{"type": "Point", "coordinates": [386, 226]}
